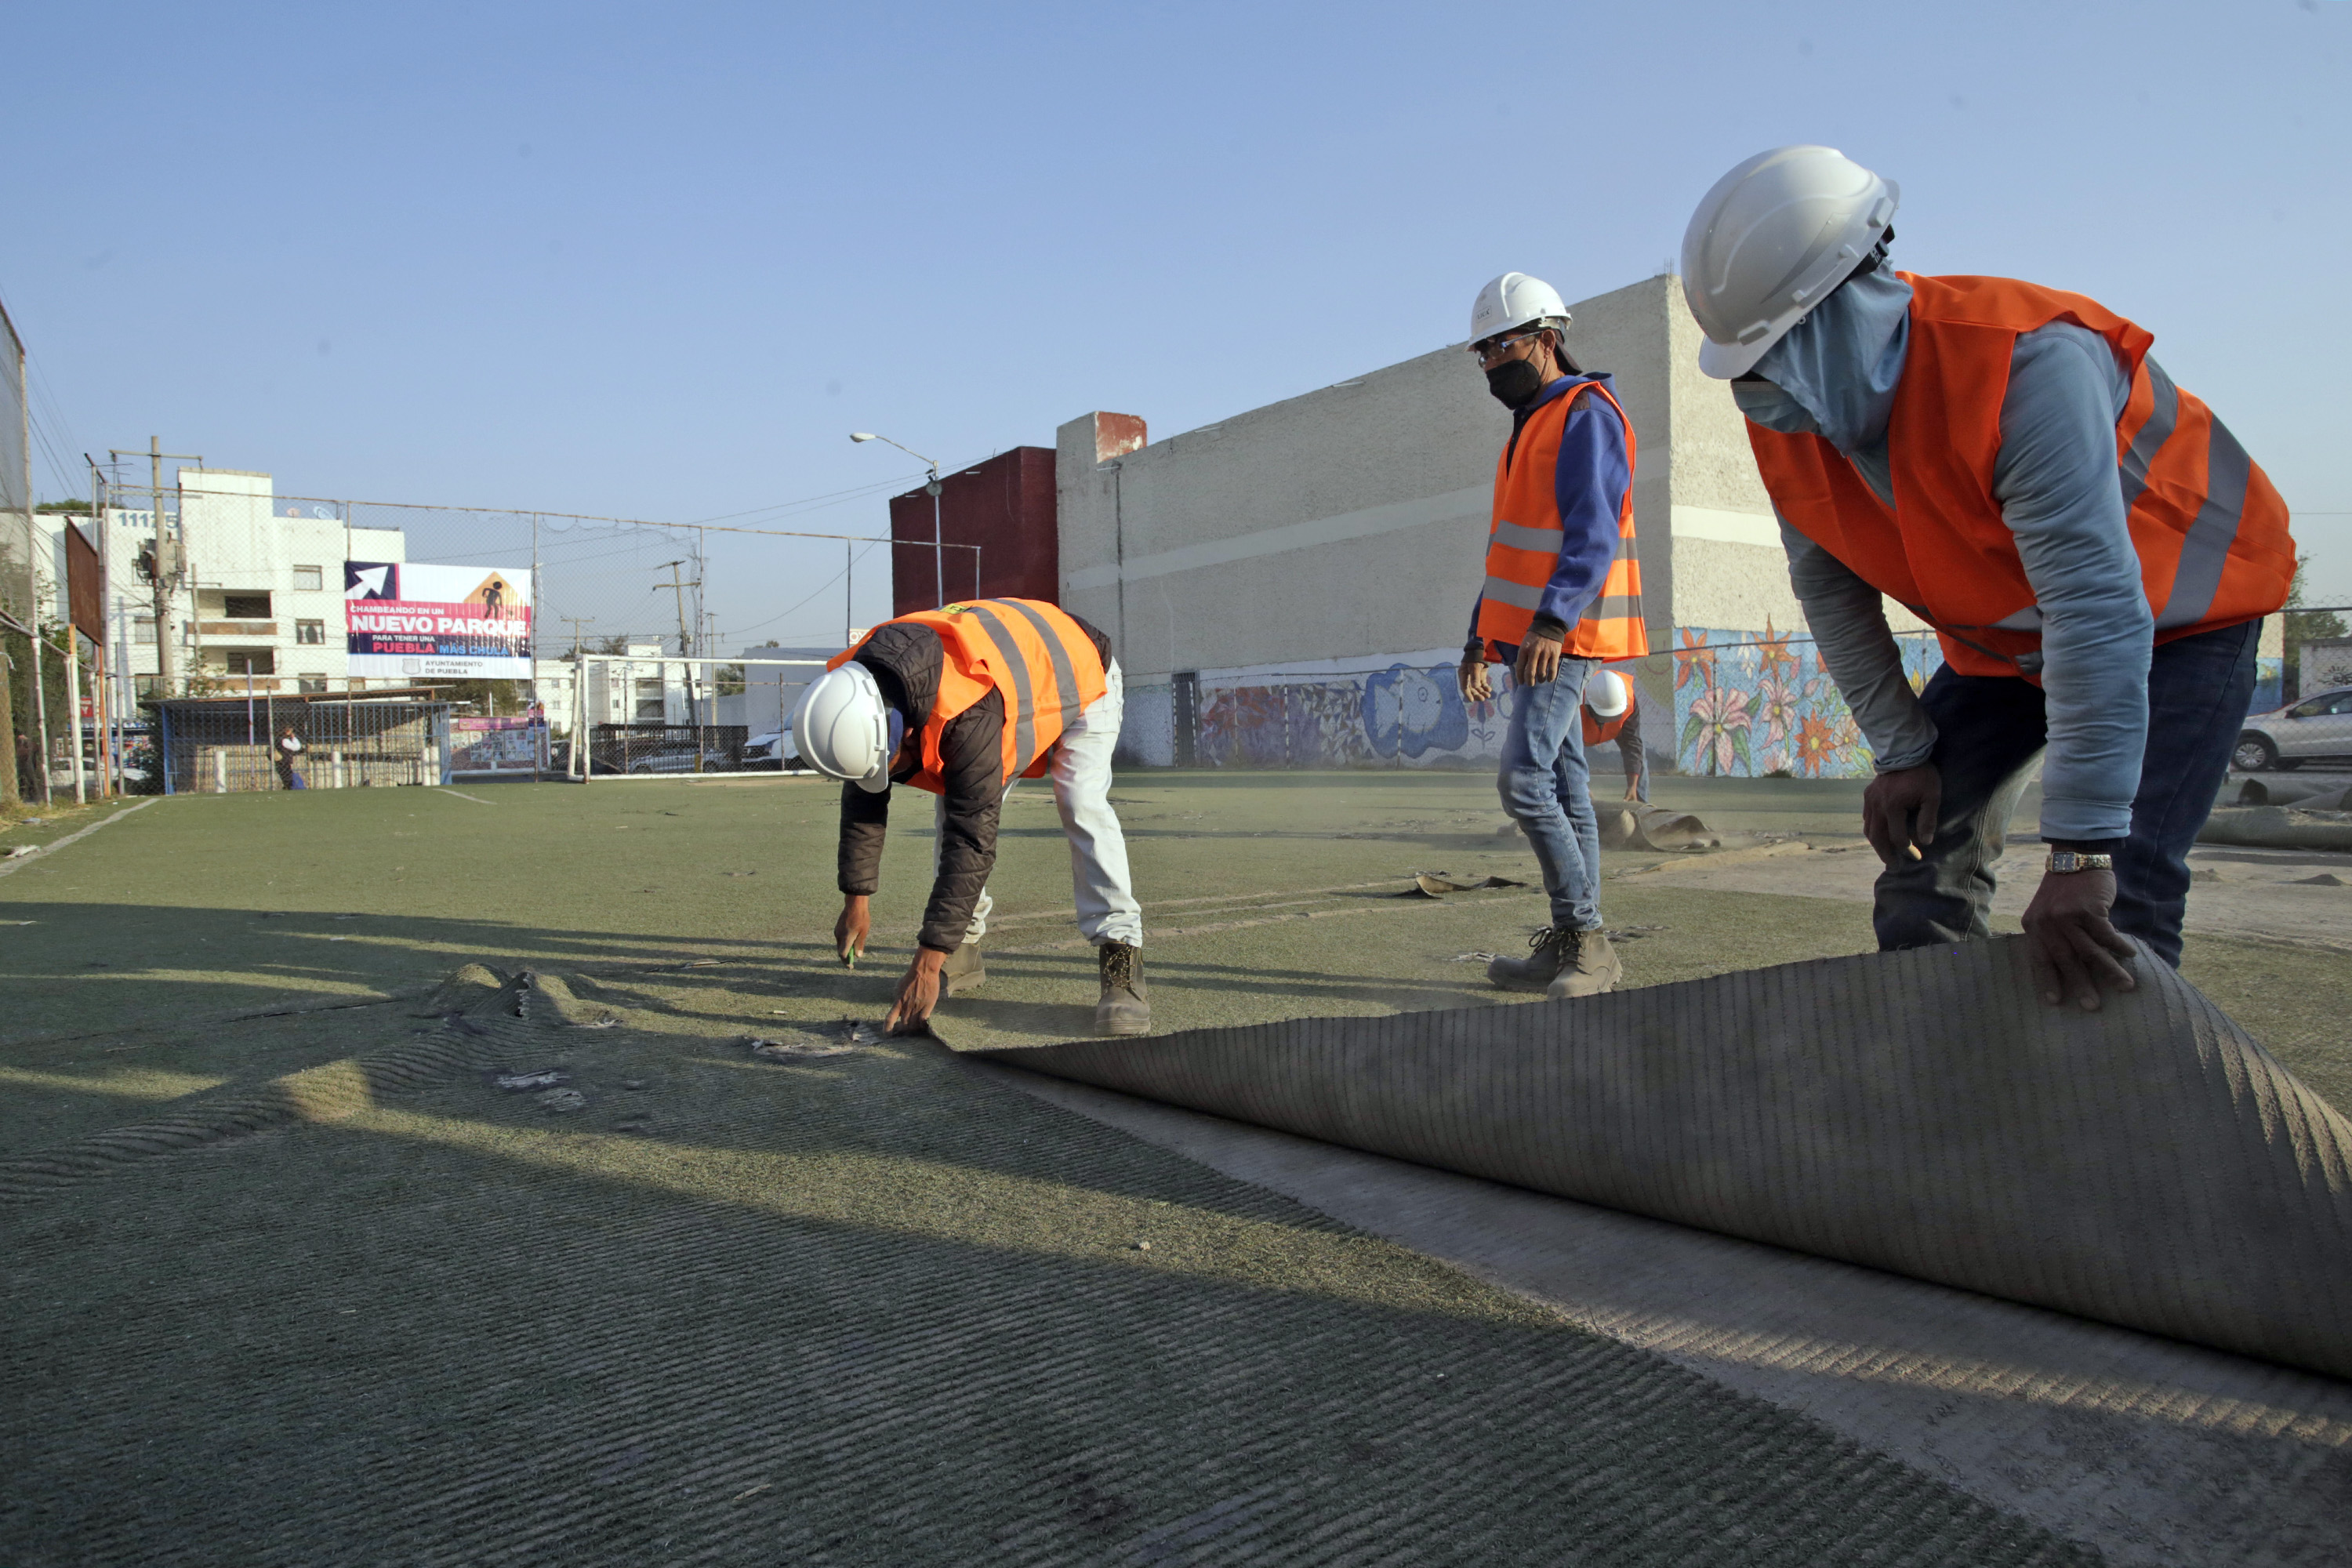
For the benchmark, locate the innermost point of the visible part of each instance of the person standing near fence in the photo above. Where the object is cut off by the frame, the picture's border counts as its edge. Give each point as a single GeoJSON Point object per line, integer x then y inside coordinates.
{"type": "Point", "coordinates": [289, 750]}
{"type": "Point", "coordinates": [1562, 595]}
{"type": "Point", "coordinates": [964, 702]}
{"type": "Point", "coordinates": [2092, 547]}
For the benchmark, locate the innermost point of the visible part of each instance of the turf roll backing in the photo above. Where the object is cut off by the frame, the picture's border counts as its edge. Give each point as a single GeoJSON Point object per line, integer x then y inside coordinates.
{"type": "Point", "coordinates": [2149, 1164]}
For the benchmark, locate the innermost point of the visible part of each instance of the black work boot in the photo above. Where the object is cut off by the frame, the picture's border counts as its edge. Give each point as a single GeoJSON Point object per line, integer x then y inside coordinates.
{"type": "Point", "coordinates": [963, 971]}
{"type": "Point", "coordinates": [1547, 954]}
{"type": "Point", "coordinates": [1122, 1010]}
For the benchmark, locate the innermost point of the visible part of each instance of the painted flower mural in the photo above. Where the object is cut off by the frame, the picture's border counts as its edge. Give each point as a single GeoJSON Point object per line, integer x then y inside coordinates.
{"type": "Point", "coordinates": [1718, 723]}
{"type": "Point", "coordinates": [1816, 749]}
{"type": "Point", "coordinates": [1749, 704]}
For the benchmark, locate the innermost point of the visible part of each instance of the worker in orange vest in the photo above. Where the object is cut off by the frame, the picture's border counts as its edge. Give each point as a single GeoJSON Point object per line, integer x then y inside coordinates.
{"type": "Point", "coordinates": [2092, 547]}
{"type": "Point", "coordinates": [964, 702]}
{"type": "Point", "coordinates": [1562, 595]}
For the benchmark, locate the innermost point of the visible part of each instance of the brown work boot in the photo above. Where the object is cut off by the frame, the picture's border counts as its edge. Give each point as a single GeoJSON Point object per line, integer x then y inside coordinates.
{"type": "Point", "coordinates": [1544, 961]}
{"type": "Point", "coordinates": [963, 971]}
{"type": "Point", "coordinates": [1589, 965]}
{"type": "Point", "coordinates": [1122, 1010]}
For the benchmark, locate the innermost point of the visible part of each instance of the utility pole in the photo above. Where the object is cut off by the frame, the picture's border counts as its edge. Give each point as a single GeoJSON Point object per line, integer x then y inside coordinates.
{"type": "Point", "coordinates": [169, 562]}
{"type": "Point", "coordinates": [684, 647]}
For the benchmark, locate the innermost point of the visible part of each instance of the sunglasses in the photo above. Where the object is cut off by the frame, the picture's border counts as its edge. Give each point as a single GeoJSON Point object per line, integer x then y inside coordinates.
{"type": "Point", "coordinates": [1489, 350]}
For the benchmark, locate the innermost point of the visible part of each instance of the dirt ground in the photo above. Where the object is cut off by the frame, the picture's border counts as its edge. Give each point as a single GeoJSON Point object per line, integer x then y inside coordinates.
{"type": "Point", "coordinates": [866, 1308]}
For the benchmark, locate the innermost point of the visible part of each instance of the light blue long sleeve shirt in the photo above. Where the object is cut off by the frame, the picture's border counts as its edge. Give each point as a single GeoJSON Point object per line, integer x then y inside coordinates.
{"type": "Point", "coordinates": [2060, 493]}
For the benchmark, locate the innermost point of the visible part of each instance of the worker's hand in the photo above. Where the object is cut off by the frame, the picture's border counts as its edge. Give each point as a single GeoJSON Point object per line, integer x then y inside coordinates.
{"type": "Point", "coordinates": [850, 931]}
{"type": "Point", "coordinates": [1899, 810]}
{"type": "Point", "coordinates": [2075, 949]}
{"type": "Point", "coordinates": [1477, 687]}
{"type": "Point", "coordinates": [1539, 661]}
{"type": "Point", "coordinates": [918, 994]}
{"type": "Point", "coordinates": [1633, 789]}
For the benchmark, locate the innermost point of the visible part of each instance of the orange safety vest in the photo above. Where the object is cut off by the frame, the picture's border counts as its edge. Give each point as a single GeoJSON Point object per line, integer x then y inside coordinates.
{"type": "Point", "coordinates": [1596, 729]}
{"type": "Point", "coordinates": [1523, 545]}
{"type": "Point", "coordinates": [1028, 650]}
{"type": "Point", "coordinates": [2209, 529]}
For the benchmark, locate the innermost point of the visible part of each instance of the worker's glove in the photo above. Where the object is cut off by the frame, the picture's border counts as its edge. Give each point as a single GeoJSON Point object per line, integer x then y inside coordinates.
{"type": "Point", "coordinates": [1899, 810]}
{"type": "Point", "coordinates": [2074, 949]}
{"type": "Point", "coordinates": [1475, 685]}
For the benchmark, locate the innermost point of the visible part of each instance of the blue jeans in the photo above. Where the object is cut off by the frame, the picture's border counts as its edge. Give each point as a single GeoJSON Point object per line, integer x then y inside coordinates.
{"type": "Point", "coordinates": [1989, 729]}
{"type": "Point", "coordinates": [1546, 788]}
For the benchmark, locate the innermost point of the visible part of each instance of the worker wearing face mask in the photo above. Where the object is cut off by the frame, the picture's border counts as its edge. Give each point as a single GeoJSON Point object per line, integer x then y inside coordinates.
{"type": "Point", "coordinates": [2092, 547]}
{"type": "Point", "coordinates": [1562, 595]}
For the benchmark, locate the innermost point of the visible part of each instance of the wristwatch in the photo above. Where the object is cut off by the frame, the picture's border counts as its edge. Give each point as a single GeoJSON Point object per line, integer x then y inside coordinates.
{"type": "Point", "coordinates": [2063, 861]}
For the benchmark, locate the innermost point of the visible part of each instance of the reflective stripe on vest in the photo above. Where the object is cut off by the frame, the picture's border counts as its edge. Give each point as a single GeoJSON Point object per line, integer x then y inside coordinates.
{"type": "Point", "coordinates": [1525, 538]}
{"type": "Point", "coordinates": [1035, 658]}
{"type": "Point", "coordinates": [2210, 531]}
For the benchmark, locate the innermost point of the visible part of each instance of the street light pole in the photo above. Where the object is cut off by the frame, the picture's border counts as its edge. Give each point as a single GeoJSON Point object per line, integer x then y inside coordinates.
{"type": "Point", "coordinates": [931, 487]}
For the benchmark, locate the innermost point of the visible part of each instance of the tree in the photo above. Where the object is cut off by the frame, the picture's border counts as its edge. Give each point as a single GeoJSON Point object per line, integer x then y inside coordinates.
{"type": "Point", "coordinates": [2302, 626]}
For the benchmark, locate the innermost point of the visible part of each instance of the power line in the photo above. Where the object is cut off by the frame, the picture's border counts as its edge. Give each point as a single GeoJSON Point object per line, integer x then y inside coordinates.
{"type": "Point", "coordinates": [828, 585]}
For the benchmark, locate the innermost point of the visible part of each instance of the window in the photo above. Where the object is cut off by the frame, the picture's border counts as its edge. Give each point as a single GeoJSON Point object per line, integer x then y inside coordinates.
{"type": "Point", "coordinates": [144, 685]}
{"type": "Point", "coordinates": [250, 660]}
{"type": "Point", "coordinates": [651, 706]}
{"type": "Point", "coordinates": [309, 577]}
{"type": "Point", "coordinates": [143, 632]}
{"type": "Point", "coordinates": [246, 606]}
{"type": "Point", "coordinates": [310, 683]}
{"type": "Point", "coordinates": [311, 631]}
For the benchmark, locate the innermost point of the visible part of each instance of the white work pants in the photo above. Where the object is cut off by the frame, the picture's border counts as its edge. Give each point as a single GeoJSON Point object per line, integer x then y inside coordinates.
{"type": "Point", "coordinates": [1080, 768]}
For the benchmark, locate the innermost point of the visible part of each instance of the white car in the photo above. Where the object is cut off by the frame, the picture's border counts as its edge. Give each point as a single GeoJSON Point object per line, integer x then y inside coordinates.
{"type": "Point", "coordinates": [773, 749]}
{"type": "Point", "coordinates": [2288, 737]}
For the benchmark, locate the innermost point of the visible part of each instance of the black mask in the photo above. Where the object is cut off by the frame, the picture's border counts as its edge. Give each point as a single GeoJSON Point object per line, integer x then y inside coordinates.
{"type": "Point", "coordinates": [1515, 383]}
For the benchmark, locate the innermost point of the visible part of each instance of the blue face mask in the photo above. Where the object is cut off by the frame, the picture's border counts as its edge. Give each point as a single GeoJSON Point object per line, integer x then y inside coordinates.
{"type": "Point", "coordinates": [1841, 365]}
{"type": "Point", "coordinates": [1772, 408]}
{"type": "Point", "coordinates": [897, 736]}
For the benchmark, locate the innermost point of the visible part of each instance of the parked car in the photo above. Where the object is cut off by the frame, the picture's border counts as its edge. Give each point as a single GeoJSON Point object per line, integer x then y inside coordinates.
{"type": "Point", "coordinates": [2303, 732]}
{"type": "Point", "coordinates": [681, 758]}
{"type": "Point", "coordinates": [774, 750]}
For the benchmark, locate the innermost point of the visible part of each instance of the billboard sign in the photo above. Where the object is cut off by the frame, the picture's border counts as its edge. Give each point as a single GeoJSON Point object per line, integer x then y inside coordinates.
{"type": "Point", "coordinates": [497, 745]}
{"type": "Point", "coordinates": [413, 621]}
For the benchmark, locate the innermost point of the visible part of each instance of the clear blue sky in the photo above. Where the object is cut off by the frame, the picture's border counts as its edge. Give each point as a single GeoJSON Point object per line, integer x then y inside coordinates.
{"type": "Point", "coordinates": [659, 261]}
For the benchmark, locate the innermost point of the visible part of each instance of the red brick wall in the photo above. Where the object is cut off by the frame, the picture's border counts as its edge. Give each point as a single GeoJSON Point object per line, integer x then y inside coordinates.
{"type": "Point", "coordinates": [1006, 506]}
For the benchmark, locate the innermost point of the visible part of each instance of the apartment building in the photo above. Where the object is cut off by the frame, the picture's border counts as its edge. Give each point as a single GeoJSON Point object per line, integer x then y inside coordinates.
{"type": "Point", "coordinates": [261, 596]}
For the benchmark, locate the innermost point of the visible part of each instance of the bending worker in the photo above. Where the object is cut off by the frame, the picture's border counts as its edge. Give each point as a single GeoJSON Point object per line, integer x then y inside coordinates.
{"type": "Point", "coordinates": [2095, 550]}
{"type": "Point", "coordinates": [965, 702]}
{"type": "Point", "coordinates": [1563, 592]}
{"type": "Point", "coordinates": [1613, 712]}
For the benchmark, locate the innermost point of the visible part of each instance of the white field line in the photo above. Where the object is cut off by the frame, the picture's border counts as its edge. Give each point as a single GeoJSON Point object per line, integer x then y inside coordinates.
{"type": "Point", "coordinates": [461, 794]}
{"type": "Point", "coordinates": [21, 861]}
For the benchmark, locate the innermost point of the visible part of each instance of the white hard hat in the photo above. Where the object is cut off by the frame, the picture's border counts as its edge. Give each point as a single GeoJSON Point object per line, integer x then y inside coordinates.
{"type": "Point", "coordinates": [1607, 694]}
{"type": "Point", "coordinates": [1515, 299]}
{"type": "Point", "coordinates": [1770, 241]}
{"type": "Point", "coordinates": [844, 731]}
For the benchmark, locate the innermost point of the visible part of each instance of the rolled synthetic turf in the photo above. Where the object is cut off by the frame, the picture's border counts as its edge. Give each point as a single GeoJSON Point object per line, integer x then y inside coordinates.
{"type": "Point", "coordinates": [2149, 1164]}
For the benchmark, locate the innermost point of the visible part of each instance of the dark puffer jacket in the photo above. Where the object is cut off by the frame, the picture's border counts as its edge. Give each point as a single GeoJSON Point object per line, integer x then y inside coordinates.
{"type": "Point", "coordinates": [905, 656]}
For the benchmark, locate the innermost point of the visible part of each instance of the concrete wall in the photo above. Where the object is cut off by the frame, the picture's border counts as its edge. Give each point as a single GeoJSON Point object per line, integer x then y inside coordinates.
{"type": "Point", "coordinates": [1315, 561]}
{"type": "Point", "coordinates": [1348, 523]}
